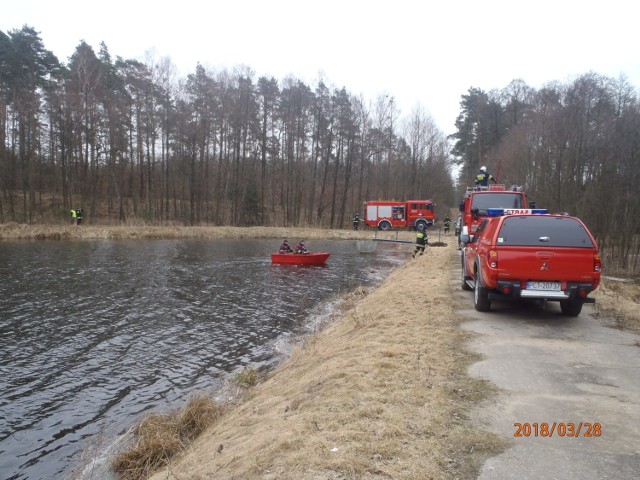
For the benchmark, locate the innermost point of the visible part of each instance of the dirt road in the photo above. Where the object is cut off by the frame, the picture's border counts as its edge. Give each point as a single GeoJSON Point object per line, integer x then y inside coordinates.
{"type": "Point", "coordinates": [568, 373]}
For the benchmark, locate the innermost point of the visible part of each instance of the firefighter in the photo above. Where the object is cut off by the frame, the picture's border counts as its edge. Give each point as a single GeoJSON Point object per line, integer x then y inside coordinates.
{"type": "Point", "coordinates": [79, 216]}
{"type": "Point", "coordinates": [421, 241]}
{"type": "Point", "coordinates": [356, 220]}
{"type": "Point", "coordinates": [447, 224]}
{"type": "Point", "coordinates": [300, 248]}
{"type": "Point", "coordinates": [483, 178]}
{"type": "Point", "coordinates": [74, 217]}
{"type": "Point", "coordinates": [285, 248]}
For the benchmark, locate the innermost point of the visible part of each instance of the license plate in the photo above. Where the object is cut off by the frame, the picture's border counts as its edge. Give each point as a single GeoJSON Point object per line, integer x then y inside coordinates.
{"type": "Point", "coordinates": [543, 285]}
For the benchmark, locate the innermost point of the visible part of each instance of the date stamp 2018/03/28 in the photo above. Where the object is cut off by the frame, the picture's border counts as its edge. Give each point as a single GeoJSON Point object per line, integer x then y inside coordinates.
{"type": "Point", "coordinates": [558, 429]}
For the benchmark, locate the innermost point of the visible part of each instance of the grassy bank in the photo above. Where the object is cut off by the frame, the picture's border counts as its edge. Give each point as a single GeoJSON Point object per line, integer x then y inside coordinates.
{"type": "Point", "coordinates": [617, 304]}
{"type": "Point", "coordinates": [16, 231]}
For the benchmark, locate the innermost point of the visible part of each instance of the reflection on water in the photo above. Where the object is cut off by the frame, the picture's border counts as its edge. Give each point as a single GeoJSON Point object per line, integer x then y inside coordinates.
{"type": "Point", "coordinates": [92, 334]}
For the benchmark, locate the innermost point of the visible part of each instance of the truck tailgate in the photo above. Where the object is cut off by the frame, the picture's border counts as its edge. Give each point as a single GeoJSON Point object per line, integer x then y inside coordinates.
{"type": "Point", "coordinates": [560, 264]}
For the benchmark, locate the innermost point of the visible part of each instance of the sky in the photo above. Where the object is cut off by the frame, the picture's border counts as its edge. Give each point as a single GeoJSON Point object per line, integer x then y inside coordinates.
{"type": "Point", "coordinates": [422, 53]}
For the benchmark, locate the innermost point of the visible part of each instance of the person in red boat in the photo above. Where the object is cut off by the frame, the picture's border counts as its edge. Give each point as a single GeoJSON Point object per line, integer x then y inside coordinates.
{"type": "Point", "coordinates": [300, 248]}
{"type": "Point", "coordinates": [285, 248]}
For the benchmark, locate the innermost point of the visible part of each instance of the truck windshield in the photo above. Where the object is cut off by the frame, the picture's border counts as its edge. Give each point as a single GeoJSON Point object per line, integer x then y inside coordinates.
{"type": "Point", "coordinates": [544, 231]}
{"type": "Point", "coordinates": [496, 200]}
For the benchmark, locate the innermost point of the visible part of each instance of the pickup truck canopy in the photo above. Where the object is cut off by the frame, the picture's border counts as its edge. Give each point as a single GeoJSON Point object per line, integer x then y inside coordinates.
{"type": "Point", "coordinates": [544, 231]}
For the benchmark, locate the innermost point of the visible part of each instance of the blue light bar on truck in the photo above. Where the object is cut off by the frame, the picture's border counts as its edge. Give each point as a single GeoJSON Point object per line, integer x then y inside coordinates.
{"type": "Point", "coordinates": [498, 212]}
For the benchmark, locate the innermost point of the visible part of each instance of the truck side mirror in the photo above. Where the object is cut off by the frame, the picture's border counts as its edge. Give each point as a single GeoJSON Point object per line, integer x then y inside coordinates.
{"type": "Point", "coordinates": [465, 239]}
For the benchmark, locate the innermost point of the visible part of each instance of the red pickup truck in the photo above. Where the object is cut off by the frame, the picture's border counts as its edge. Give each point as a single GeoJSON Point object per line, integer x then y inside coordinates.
{"type": "Point", "coordinates": [527, 254]}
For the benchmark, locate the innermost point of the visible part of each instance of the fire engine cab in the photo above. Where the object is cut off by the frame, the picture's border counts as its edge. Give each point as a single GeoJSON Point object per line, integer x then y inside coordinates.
{"type": "Point", "coordinates": [386, 215]}
{"type": "Point", "coordinates": [478, 200]}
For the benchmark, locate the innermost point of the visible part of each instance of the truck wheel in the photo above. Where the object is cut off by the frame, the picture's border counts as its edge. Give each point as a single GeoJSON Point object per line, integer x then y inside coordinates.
{"type": "Point", "coordinates": [571, 308]}
{"type": "Point", "coordinates": [464, 277]}
{"type": "Point", "coordinates": [421, 224]}
{"type": "Point", "coordinates": [384, 225]}
{"type": "Point", "coordinates": [481, 300]}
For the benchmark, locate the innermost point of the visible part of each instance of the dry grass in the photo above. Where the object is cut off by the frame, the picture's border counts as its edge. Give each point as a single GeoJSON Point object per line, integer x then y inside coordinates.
{"type": "Point", "coordinates": [617, 303]}
{"type": "Point", "coordinates": [379, 393]}
{"type": "Point", "coordinates": [17, 231]}
{"type": "Point", "coordinates": [159, 437]}
{"type": "Point", "coordinates": [246, 378]}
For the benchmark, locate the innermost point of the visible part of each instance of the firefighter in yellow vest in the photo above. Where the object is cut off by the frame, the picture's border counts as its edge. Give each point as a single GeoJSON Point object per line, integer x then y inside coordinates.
{"type": "Point", "coordinates": [421, 241]}
{"type": "Point", "coordinates": [74, 217]}
{"type": "Point", "coordinates": [484, 177]}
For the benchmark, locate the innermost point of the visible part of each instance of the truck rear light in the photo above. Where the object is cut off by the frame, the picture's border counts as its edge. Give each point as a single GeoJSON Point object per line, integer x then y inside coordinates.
{"type": "Point", "coordinates": [506, 290]}
{"type": "Point", "coordinates": [597, 265]}
{"type": "Point", "coordinates": [493, 259]}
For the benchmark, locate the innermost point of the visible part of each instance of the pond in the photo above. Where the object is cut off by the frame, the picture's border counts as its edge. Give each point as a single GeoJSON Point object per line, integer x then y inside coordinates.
{"type": "Point", "coordinates": [95, 334]}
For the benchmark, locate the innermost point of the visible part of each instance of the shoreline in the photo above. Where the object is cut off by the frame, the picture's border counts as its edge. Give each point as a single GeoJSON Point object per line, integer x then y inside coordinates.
{"type": "Point", "coordinates": [381, 391]}
{"type": "Point", "coordinates": [15, 231]}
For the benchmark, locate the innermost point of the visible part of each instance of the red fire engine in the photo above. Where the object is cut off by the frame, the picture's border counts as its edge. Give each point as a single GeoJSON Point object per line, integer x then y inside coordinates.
{"type": "Point", "coordinates": [478, 200]}
{"type": "Point", "coordinates": [386, 215]}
